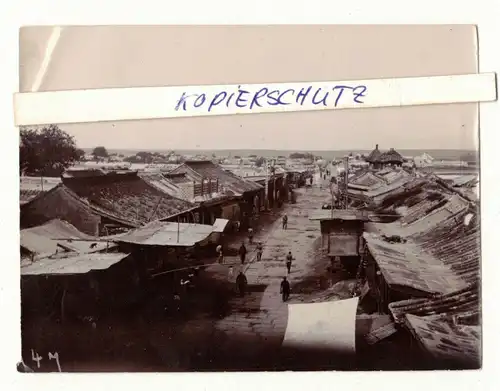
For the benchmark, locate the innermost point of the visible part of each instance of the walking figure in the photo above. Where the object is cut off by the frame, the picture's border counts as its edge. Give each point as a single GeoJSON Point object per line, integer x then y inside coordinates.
{"type": "Point", "coordinates": [243, 253]}
{"type": "Point", "coordinates": [220, 257]}
{"type": "Point", "coordinates": [289, 259]}
{"type": "Point", "coordinates": [285, 289]}
{"type": "Point", "coordinates": [250, 235]}
{"type": "Point", "coordinates": [285, 221]}
{"type": "Point", "coordinates": [259, 251]}
{"type": "Point", "coordinates": [241, 283]}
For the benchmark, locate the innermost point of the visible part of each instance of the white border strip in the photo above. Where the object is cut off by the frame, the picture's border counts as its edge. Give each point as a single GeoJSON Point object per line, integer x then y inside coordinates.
{"type": "Point", "coordinates": [37, 108]}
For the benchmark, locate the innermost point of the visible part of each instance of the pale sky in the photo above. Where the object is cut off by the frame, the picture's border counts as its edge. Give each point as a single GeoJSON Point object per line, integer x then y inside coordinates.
{"type": "Point", "coordinates": [106, 57]}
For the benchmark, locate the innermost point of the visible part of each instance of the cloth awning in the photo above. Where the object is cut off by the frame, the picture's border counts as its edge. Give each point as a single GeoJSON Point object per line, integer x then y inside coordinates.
{"type": "Point", "coordinates": [167, 234]}
{"type": "Point", "coordinates": [78, 264]}
{"type": "Point", "coordinates": [322, 326]}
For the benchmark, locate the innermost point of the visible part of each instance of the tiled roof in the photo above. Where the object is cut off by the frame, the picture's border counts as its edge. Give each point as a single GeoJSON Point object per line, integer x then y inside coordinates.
{"type": "Point", "coordinates": [446, 342]}
{"type": "Point", "coordinates": [206, 169]}
{"type": "Point", "coordinates": [465, 180]}
{"type": "Point", "coordinates": [404, 264]}
{"type": "Point", "coordinates": [464, 302]}
{"type": "Point", "coordinates": [83, 173]}
{"type": "Point", "coordinates": [167, 186]}
{"type": "Point", "coordinates": [423, 206]}
{"type": "Point", "coordinates": [395, 176]}
{"type": "Point", "coordinates": [59, 203]}
{"type": "Point", "coordinates": [445, 325]}
{"type": "Point", "coordinates": [26, 196]}
{"type": "Point", "coordinates": [454, 205]}
{"type": "Point", "coordinates": [456, 245]}
{"type": "Point", "coordinates": [400, 187]}
{"type": "Point", "coordinates": [441, 253]}
{"type": "Point", "coordinates": [30, 187]}
{"type": "Point", "coordinates": [127, 197]}
{"type": "Point", "coordinates": [368, 179]}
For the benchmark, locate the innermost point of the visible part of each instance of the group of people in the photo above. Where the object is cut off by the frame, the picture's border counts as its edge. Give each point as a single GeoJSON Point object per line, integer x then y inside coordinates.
{"type": "Point", "coordinates": [241, 279]}
{"type": "Point", "coordinates": [242, 283]}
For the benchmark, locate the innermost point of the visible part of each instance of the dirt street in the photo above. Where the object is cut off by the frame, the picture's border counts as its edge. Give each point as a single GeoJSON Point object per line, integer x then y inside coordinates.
{"type": "Point", "coordinates": [250, 335]}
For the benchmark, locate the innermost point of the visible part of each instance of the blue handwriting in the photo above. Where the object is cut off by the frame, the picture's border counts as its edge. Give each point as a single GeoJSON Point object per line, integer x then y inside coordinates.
{"type": "Point", "coordinates": [241, 98]}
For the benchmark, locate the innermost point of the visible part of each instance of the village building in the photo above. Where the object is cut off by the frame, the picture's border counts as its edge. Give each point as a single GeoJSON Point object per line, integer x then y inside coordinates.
{"type": "Point", "coordinates": [68, 301]}
{"type": "Point", "coordinates": [424, 160]}
{"type": "Point", "coordinates": [277, 182]}
{"type": "Point", "coordinates": [378, 159]}
{"type": "Point", "coordinates": [60, 203]}
{"type": "Point", "coordinates": [446, 327]}
{"type": "Point", "coordinates": [432, 250]}
{"type": "Point", "coordinates": [374, 158]}
{"type": "Point", "coordinates": [167, 246]}
{"type": "Point", "coordinates": [61, 268]}
{"type": "Point", "coordinates": [392, 158]}
{"type": "Point", "coordinates": [207, 195]}
{"type": "Point", "coordinates": [250, 195]}
{"type": "Point", "coordinates": [103, 204]}
{"type": "Point", "coordinates": [124, 199]}
{"type": "Point", "coordinates": [405, 252]}
{"type": "Point", "coordinates": [341, 234]}
{"type": "Point", "coordinates": [56, 257]}
{"type": "Point", "coordinates": [58, 237]}
{"type": "Point", "coordinates": [415, 249]}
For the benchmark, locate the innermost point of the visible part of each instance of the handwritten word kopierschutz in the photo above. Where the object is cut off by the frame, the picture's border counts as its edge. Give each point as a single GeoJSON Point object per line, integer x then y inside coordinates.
{"type": "Point", "coordinates": [268, 97]}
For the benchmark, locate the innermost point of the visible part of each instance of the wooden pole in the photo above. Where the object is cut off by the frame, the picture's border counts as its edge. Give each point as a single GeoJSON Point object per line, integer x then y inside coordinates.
{"type": "Point", "coordinates": [266, 187]}
{"type": "Point", "coordinates": [346, 180]}
{"type": "Point", "coordinates": [178, 228]}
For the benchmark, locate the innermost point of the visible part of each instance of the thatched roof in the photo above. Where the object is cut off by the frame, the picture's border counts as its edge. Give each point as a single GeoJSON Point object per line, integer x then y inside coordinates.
{"type": "Point", "coordinates": [391, 156]}
{"type": "Point", "coordinates": [374, 155]}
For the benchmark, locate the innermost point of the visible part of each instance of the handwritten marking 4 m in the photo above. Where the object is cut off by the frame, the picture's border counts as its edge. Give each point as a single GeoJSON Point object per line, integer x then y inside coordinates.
{"type": "Point", "coordinates": [52, 356]}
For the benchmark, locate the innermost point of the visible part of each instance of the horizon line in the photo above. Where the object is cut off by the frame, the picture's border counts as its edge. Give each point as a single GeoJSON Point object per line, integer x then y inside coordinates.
{"type": "Point", "coordinates": [276, 149]}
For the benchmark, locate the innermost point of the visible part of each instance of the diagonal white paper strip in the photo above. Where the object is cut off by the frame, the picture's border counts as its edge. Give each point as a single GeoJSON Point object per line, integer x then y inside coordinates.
{"type": "Point", "coordinates": [37, 108]}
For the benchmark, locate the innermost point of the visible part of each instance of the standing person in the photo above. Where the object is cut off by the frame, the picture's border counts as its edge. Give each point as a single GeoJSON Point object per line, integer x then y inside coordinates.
{"type": "Point", "coordinates": [285, 289]}
{"type": "Point", "coordinates": [219, 254]}
{"type": "Point", "coordinates": [237, 226]}
{"type": "Point", "coordinates": [259, 251]}
{"type": "Point", "coordinates": [284, 221]}
{"type": "Point", "coordinates": [243, 252]}
{"type": "Point", "coordinates": [230, 273]}
{"type": "Point", "coordinates": [177, 302]}
{"type": "Point", "coordinates": [289, 259]}
{"type": "Point", "coordinates": [241, 283]}
{"type": "Point", "coordinates": [250, 235]}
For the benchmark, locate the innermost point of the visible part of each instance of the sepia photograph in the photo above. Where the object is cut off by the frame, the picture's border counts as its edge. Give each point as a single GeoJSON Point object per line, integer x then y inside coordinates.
{"type": "Point", "coordinates": [300, 241]}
